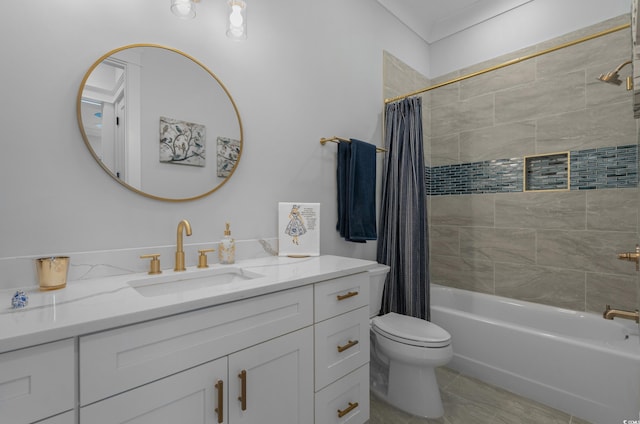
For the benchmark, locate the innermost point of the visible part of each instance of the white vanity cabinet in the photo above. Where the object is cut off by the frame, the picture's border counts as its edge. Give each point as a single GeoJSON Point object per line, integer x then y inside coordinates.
{"type": "Point", "coordinates": [37, 383]}
{"type": "Point", "coordinates": [167, 366]}
{"type": "Point", "coordinates": [342, 350]}
{"type": "Point", "coordinates": [292, 348]}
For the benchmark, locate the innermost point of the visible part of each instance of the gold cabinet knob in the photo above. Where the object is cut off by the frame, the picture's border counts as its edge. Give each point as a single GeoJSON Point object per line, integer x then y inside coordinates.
{"type": "Point", "coordinates": [154, 265]}
{"type": "Point", "coordinates": [202, 259]}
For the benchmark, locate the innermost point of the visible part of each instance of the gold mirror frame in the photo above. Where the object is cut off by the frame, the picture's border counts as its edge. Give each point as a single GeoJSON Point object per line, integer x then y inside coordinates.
{"type": "Point", "coordinates": [107, 169]}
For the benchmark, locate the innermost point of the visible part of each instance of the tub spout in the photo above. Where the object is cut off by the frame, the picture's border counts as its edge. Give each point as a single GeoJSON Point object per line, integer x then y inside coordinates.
{"type": "Point", "coordinates": [613, 313]}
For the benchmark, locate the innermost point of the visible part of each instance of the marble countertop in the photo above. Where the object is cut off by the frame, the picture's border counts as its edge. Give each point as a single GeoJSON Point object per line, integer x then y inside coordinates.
{"type": "Point", "coordinates": [87, 306]}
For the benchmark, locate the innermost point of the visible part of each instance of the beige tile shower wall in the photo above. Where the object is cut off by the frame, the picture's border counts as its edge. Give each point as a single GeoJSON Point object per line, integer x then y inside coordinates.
{"type": "Point", "coordinates": [546, 104]}
{"type": "Point", "coordinates": [552, 248]}
{"type": "Point", "coordinates": [556, 248]}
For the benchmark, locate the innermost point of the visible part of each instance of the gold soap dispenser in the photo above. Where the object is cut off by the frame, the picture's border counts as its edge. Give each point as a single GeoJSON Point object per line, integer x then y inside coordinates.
{"type": "Point", "coordinates": [227, 248]}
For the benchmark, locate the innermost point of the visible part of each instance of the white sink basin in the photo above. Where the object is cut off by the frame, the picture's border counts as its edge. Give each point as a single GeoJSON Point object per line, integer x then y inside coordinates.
{"type": "Point", "coordinates": [177, 282]}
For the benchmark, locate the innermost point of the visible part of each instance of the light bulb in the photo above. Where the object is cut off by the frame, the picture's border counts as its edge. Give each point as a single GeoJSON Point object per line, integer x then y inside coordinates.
{"type": "Point", "coordinates": [236, 18]}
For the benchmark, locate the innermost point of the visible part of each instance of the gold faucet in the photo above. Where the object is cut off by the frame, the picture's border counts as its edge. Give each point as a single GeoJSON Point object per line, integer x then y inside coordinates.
{"type": "Point", "coordinates": [613, 313]}
{"type": "Point", "coordinates": [182, 226]}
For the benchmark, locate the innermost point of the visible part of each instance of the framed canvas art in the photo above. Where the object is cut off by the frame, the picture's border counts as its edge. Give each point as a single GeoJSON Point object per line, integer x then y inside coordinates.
{"type": "Point", "coordinates": [182, 142]}
{"type": "Point", "coordinates": [227, 155]}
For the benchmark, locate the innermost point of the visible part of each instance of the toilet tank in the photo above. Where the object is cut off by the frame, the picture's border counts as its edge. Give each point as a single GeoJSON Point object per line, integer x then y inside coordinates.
{"type": "Point", "coordinates": [377, 277]}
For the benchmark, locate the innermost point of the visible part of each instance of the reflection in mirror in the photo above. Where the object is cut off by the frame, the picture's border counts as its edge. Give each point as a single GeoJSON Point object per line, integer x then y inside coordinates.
{"type": "Point", "coordinates": [635, 65]}
{"type": "Point", "coordinates": [159, 122]}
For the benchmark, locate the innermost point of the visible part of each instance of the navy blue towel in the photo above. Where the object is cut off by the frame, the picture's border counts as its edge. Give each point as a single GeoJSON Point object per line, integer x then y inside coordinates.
{"type": "Point", "coordinates": [344, 161]}
{"type": "Point", "coordinates": [356, 177]}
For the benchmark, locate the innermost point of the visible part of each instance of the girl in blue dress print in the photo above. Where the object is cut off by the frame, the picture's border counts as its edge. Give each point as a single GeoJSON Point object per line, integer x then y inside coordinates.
{"type": "Point", "coordinates": [296, 227]}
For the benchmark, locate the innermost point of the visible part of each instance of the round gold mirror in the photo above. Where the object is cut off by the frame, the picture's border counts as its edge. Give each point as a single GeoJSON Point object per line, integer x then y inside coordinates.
{"type": "Point", "coordinates": [159, 122]}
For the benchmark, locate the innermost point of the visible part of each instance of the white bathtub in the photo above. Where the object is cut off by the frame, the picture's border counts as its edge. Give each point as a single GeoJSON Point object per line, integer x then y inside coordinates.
{"type": "Point", "coordinates": [576, 362]}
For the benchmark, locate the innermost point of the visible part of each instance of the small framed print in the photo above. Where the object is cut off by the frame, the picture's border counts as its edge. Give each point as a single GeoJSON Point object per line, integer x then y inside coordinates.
{"type": "Point", "coordinates": [299, 229]}
{"type": "Point", "coordinates": [227, 155]}
{"type": "Point", "coordinates": [182, 142]}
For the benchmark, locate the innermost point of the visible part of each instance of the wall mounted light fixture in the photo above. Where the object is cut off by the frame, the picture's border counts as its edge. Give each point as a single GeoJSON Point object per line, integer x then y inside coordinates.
{"type": "Point", "coordinates": [236, 25]}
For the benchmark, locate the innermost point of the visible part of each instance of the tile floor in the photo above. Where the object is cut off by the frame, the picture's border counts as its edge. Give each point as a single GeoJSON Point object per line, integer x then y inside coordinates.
{"type": "Point", "coordinates": [470, 401]}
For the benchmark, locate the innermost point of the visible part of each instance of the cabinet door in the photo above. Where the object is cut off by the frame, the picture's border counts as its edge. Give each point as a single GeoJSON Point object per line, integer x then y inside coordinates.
{"type": "Point", "coordinates": [273, 382]}
{"type": "Point", "coordinates": [37, 382]}
{"type": "Point", "coordinates": [189, 397]}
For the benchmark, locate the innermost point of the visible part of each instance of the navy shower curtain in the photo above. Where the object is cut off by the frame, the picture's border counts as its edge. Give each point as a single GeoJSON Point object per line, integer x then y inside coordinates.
{"type": "Point", "coordinates": [403, 232]}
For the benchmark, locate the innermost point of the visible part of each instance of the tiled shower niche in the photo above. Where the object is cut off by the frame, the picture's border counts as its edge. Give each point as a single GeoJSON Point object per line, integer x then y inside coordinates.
{"type": "Point", "coordinates": [546, 172]}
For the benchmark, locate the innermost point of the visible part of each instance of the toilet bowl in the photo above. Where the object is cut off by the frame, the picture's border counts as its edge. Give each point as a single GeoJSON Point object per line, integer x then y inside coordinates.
{"type": "Point", "coordinates": [404, 354]}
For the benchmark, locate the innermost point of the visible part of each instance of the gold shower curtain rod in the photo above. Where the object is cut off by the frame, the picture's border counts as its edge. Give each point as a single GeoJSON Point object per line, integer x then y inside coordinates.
{"type": "Point", "coordinates": [323, 141]}
{"type": "Point", "coordinates": [509, 63]}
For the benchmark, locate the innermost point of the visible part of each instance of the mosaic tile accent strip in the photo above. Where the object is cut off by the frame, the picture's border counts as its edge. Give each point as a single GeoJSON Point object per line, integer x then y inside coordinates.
{"type": "Point", "coordinates": [605, 167]}
{"type": "Point", "coordinates": [492, 176]}
{"type": "Point", "coordinates": [593, 169]}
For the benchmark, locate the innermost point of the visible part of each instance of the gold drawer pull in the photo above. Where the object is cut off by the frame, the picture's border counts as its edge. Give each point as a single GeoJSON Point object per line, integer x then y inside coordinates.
{"type": "Point", "coordinates": [219, 410]}
{"type": "Point", "coordinates": [344, 412]}
{"type": "Point", "coordinates": [243, 389]}
{"type": "Point", "coordinates": [349, 345]}
{"type": "Point", "coordinates": [346, 296]}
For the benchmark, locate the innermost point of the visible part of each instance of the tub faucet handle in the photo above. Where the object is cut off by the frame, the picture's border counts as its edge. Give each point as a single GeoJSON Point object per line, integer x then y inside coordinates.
{"type": "Point", "coordinates": [631, 257]}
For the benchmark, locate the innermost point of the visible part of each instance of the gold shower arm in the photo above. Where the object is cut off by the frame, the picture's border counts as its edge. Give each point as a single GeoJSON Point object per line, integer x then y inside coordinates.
{"type": "Point", "coordinates": [509, 63]}
{"type": "Point", "coordinates": [622, 65]}
{"type": "Point", "coordinates": [334, 139]}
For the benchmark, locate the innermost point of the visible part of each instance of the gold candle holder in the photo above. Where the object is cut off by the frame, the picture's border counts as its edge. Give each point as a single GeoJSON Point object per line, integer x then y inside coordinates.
{"type": "Point", "coordinates": [52, 272]}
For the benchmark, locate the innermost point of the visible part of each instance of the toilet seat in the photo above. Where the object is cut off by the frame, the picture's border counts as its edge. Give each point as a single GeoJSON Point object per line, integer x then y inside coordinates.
{"type": "Point", "coordinates": [411, 331]}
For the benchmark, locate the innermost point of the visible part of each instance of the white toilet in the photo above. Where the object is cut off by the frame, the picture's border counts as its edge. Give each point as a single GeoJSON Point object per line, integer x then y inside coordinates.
{"type": "Point", "coordinates": [404, 354]}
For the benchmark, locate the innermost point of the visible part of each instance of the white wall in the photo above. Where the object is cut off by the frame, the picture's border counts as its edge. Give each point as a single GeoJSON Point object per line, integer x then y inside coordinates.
{"type": "Point", "coordinates": [308, 70]}
{"type": "Point", "coordinates": [523, 26]}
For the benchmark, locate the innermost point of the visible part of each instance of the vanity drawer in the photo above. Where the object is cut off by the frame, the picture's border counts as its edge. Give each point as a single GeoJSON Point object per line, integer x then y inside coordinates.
{"type": "Point", "coordinates": [117, 360]}
{"type": "Point", "coordinates": [37, 382]}
{"type": "Point", "coordinates": [340, 295]}
{"type": "Point", "coordinates": [341, 346]}
{"type": "Point", "coordinates": [346, 400]}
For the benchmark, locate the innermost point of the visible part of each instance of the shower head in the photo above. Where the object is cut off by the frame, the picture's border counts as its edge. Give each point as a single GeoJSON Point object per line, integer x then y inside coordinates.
{"type": "Point", "coordinates": [613, 77]}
